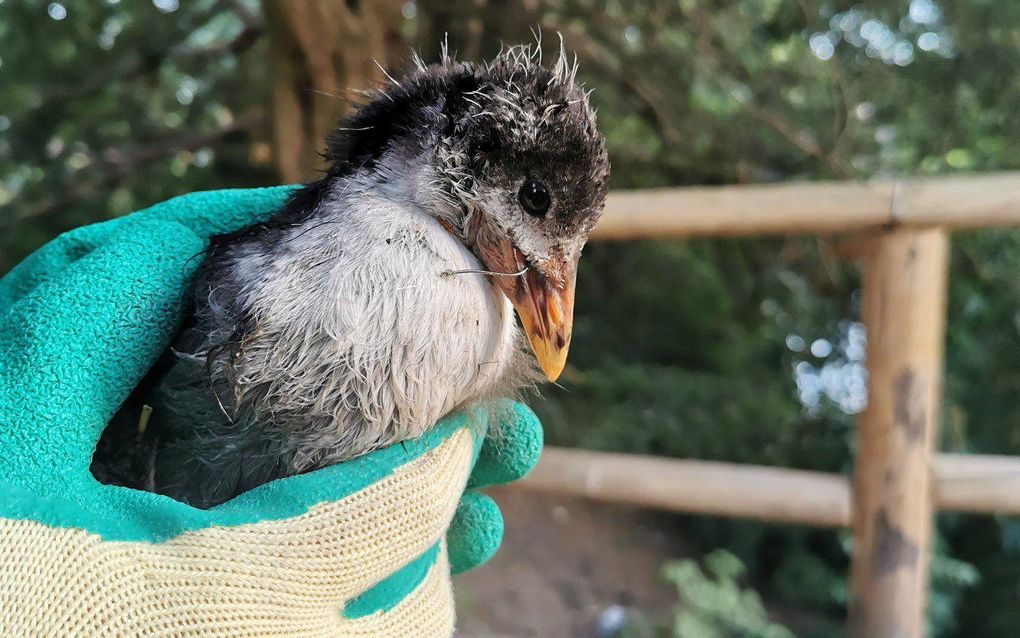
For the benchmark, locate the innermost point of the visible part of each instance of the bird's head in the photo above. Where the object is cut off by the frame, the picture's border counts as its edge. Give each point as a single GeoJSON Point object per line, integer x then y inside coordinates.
{"type": "Point", "coordinates": [508, 157]}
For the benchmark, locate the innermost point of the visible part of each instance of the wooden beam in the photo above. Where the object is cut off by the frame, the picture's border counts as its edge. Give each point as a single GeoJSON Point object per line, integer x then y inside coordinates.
{"type": "Point", "coordinates": [977, 483]}
{"type": "Point", "coordinates": [970, 201]}
{"type": "Point", "coordinates": [904, 295]}
{"type": "Point", "coordinates": [963, 483]}
{"type": "Point", "coordinates": [725, 489]}
{"type": "Point", "coordinates": [975, 201]}
{"type": "Point", "coordinates": [808, 207]}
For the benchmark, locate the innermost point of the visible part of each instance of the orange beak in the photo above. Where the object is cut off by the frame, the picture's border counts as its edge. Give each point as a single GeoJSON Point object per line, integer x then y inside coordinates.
{"type": "Point", "coordinates": [547, 313]}
{"type": "Point", "coordinates": [544, 300]}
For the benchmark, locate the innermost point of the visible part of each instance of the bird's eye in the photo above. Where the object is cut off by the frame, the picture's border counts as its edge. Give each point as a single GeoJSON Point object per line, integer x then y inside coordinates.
{"type": "Point", "coordinates": [534, 197]}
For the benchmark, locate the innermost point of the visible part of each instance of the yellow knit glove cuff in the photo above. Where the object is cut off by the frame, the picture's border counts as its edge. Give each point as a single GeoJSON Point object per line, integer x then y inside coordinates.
{"type": "Point", "coordinates": [290, 577]}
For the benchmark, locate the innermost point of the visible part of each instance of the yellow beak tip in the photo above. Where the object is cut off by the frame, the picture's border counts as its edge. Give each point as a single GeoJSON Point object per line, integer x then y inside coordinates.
{"type": "Point", "coordinates": [552, 365]}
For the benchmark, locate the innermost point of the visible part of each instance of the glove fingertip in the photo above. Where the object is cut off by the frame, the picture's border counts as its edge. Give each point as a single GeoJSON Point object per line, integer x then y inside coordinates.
{"type": "Point", "coordinates": [475, 532]}
{"type": "Point", "coordinates": [513, 448]}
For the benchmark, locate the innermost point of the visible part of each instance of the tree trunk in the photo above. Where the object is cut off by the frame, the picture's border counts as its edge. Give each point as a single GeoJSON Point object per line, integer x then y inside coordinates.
{"type": "Point", "coordinates": [320, 51]}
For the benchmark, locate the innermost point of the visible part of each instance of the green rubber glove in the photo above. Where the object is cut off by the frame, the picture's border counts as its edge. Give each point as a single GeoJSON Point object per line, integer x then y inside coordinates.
{"type": "Point", "coordinates": [81, 321]}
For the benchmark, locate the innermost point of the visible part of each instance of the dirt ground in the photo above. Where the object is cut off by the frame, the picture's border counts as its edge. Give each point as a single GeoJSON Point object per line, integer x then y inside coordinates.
{"type": "Point", "coordinates": [564, 564]}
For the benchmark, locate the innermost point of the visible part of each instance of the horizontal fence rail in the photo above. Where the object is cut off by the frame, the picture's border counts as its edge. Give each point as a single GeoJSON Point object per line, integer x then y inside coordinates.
{"type": "Point", "coordinates": [984, 484]}
{"type": "Point", "coordinates": [704, 487]}
{"type": "Point", "coordinates": [977, 201]}
{"type": "Point", "coordinates": [898, 481]}
{"type": "Point", "coordinates": [979, 483]}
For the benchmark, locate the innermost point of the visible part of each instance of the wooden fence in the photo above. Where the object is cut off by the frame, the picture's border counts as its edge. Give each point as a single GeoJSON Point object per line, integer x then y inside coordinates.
{"type": "Point", "coordinates": [898, 481]}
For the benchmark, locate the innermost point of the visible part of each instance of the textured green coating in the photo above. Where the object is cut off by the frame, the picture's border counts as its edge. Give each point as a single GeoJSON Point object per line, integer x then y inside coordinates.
{"type": "Point", "coordinates": [84, 317]}
{"type": "Point", "coordinates": [512, 450]}
{"type": "Point", "coordinates": [393, 588]}
{"type": "Point", "coordinates": [476, 532]}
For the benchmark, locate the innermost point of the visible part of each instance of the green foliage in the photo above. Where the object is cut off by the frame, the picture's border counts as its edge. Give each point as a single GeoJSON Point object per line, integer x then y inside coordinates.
{"type": "Point", "coordinates": [949, 578]}
{"type": "Point", "coordinates": [118, 105]}
{"type": "Point", "coordinates": [713, 604]}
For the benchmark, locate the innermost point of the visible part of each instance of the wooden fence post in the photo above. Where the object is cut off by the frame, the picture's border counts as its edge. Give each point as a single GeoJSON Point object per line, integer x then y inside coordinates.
{"type": "Point", "coordinates": [904, 294]}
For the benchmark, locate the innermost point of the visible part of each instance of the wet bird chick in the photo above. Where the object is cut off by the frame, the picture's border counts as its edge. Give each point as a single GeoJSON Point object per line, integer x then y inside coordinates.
{"type": "Point", "coordinates": [382, 296]}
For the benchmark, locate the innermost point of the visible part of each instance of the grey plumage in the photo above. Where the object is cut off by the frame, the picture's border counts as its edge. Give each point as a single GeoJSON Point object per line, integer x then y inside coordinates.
{"type": "Point", "coordinates": [336, 328]}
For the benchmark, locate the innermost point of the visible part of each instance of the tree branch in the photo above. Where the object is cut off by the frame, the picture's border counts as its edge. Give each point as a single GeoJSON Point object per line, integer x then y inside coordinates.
{"type": "Point", "coordinates": [731, 67]}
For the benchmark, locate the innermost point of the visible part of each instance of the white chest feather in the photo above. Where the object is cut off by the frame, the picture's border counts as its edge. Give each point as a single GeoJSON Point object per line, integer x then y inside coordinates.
{"type": "Point", "coordinates": [361, 339]}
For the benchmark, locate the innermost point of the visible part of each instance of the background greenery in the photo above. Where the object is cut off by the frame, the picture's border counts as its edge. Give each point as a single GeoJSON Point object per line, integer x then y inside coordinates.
{"type": "Point", "coordinates": [733, 350]}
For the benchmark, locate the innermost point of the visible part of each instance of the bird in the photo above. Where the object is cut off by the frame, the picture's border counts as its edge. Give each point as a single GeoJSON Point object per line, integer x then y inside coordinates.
{"type": "Point", "coordinates": [382, 296]}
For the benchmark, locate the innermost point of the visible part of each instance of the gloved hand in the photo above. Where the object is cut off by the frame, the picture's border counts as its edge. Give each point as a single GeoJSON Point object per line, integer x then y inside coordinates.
{"type": "Point", "coordinates": [364, 548]}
